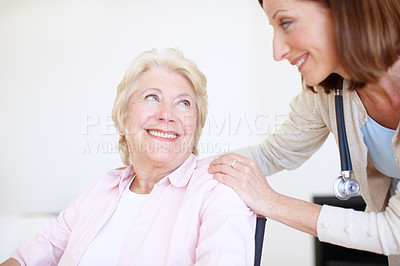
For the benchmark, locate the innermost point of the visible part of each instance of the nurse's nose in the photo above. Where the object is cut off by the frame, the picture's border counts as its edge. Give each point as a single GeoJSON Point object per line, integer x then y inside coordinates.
{"type": "Point", "coordinates": [280, 47]}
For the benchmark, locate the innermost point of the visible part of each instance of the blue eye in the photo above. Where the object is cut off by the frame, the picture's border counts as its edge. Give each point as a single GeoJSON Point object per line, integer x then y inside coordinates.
{"type": "Point", "coordinates": [185, 103]}
{"type": "Point", "coordinates": [285, 24]}
{"type": "Point", "coordinates": [152, 97]}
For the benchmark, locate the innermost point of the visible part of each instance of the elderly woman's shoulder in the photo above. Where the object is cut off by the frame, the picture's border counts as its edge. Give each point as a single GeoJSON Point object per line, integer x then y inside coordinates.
{"type": "Point", "coordinates": [201, 174]}
{"type": "Point", "coordinates": [203, 164]}
{"type": "Point", "coordinates": [202, 181]}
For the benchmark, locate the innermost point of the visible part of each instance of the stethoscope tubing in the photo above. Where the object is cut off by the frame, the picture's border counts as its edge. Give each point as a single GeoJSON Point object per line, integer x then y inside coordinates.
{"type": "Point", "coordinates": [345, 159]}
{"type": "Point", "coordinates": [344, 186]}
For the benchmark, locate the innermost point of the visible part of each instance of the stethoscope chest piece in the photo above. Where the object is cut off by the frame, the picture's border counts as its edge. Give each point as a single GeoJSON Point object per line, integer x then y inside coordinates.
{"type": "Point", "coordinates": [345, 188]}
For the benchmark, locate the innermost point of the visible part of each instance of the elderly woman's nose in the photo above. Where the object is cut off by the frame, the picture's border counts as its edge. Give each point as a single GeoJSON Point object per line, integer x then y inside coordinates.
{"type": "Point", "coordinates": [166, 113]}
{"type": "Point", "coordinates": [280, 47]}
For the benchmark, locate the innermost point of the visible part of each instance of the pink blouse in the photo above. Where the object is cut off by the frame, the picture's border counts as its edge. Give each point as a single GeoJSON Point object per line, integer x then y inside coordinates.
{"type": "Point", "coordinates": [188, 219]}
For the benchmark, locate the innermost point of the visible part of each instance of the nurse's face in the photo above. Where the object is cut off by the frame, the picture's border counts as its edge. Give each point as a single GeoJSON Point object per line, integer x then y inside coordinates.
{"type": "Point", "coordinates": [304, 34]}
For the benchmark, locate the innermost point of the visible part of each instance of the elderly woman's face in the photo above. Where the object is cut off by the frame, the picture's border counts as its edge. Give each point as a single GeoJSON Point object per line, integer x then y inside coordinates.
{"type": "Point", "coordinates": [161, 118]}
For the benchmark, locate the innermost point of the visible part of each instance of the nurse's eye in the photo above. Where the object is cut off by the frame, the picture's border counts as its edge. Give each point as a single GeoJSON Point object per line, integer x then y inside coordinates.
{"type": "Point", "coordinates": [152, 97]}
{"type": "Point", "coordinates": [285, 24]}
{"type": "Point", "coordinates": [185, 103]}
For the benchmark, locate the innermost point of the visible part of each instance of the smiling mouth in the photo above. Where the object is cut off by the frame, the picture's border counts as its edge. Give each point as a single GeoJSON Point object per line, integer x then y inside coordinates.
{"type": "Point", "coordinates": [161, 134]}
{"type": "Point", "coordinates": [300, 62]}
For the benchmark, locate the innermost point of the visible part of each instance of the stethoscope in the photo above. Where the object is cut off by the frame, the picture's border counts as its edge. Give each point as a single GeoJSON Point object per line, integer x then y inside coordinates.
{"type": "Point", "coordinates": [344, 187]}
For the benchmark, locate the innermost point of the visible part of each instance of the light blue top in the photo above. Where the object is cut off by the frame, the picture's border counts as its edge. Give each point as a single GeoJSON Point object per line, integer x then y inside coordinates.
{"type": "Point", "coordinates": [378, 140]}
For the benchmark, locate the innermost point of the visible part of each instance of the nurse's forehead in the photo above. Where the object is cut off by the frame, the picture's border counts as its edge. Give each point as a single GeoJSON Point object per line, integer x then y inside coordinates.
{"type": "Point", "coordinates": [272, 7]}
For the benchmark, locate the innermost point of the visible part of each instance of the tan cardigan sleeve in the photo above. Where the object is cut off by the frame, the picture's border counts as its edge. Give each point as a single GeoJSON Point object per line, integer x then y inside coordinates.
{"type": "Point", "coordinates": [376, 231]}
{"type": "Point", "coordinates": [295, 141]}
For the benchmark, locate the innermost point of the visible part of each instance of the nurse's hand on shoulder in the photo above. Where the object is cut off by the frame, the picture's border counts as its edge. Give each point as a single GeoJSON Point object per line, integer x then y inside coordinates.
{"type": "Point", "coordinates": [245, 177]}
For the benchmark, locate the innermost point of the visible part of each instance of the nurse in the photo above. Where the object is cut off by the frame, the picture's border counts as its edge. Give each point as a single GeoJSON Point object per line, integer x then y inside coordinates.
{"type": "Point", "coordinates": [328, 40]}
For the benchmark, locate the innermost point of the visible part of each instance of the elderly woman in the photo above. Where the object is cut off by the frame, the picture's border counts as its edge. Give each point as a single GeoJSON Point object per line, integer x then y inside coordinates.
{"type": "Point", "coordinates": [163, 208]}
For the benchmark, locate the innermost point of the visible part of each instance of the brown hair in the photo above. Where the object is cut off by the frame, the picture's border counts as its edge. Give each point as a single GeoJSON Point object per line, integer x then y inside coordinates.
{"type": "Point", "coordinates": [367, 39]}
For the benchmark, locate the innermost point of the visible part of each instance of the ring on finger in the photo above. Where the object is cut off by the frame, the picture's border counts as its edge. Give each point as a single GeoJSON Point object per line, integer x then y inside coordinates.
{"type": "Point", "coordinates": [233, 163]}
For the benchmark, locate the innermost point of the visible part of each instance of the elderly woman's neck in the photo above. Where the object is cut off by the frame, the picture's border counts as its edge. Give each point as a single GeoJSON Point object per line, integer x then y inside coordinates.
{"type": "Point", "coordinates": [149, 175]}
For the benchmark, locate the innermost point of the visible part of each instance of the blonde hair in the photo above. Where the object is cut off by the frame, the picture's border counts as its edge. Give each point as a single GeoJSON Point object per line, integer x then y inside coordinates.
{"type": "Point", "coordinates": [171, 60]}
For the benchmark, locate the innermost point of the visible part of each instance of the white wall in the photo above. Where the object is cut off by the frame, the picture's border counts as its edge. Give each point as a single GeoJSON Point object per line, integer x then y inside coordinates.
{"type": "Point", "coordinates": [60, 64]}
